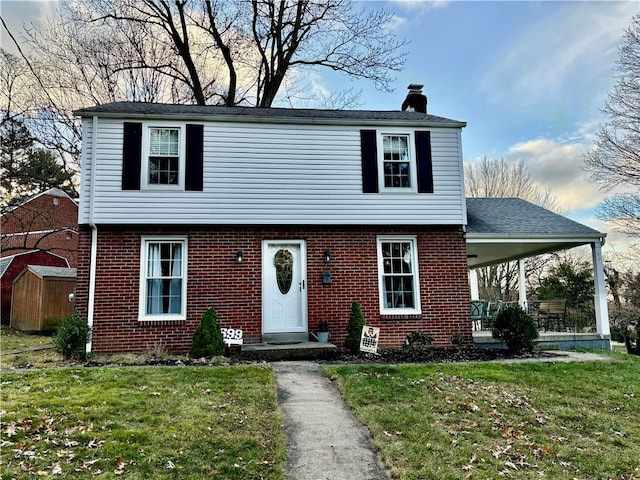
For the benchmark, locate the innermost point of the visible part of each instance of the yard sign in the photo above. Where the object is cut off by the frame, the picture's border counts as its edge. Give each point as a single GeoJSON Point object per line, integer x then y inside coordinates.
{"type": "Point", "coordinates": [369, 339]}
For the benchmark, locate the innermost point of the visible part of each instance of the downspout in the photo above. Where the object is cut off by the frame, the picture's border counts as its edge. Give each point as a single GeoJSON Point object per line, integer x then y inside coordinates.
{"type": "Point", "coordinates": [94, 232]}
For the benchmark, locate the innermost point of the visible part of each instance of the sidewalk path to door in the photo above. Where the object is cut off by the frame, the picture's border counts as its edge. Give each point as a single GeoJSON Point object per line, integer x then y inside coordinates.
{"type": "Point", "coordinates": [324, 439]}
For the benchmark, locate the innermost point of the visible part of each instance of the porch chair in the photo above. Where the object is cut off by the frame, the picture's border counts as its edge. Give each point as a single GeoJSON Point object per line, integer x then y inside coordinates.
{"type": "Point", "coordinates": [552, 315]}
{"type": "Point", "coordinates": [478, 312]}
{"type": "Point", "coordinates": [492, 312]}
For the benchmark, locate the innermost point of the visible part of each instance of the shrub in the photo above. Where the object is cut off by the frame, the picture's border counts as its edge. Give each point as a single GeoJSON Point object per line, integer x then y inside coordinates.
{"type": "Point", "coordinates": [207, 339]}
{"type": "Point", "coordinates": [72, 335]}
{"type": "Point", "coordinates": [418, 345]}
{"type": "Point", "coordinates": [417, 341]}
{"type": "Point", "coordinates": [516, 328]}
{"type": "Point", "coordinates": [354, 328]}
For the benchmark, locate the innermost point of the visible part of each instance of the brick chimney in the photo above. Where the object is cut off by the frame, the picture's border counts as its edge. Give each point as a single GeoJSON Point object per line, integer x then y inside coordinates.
{"type": "Point", "coordinates": [415, 101]}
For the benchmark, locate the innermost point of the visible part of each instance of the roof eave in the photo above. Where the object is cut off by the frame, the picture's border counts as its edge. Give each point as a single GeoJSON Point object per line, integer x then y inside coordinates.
{"type": "Point", "coordinates": [427, 123]}
{"type": "Point", "coordinates": [534, 238]}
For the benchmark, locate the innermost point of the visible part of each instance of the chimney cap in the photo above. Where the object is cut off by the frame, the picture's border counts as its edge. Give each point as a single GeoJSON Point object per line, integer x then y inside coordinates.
{"type": "Point", "coordinates": [415, 87]}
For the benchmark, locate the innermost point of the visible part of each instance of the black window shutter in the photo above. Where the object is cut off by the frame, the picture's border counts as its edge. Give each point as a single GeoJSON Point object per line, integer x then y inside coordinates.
{"type": "Point", "coordinates": [369, 161]}
{"type": "Point", "coordinates": [194, 158]}
{"type": "Point", "coordinates": [423, 162]}
{"type": "Point", "coordinates": [131, 155]}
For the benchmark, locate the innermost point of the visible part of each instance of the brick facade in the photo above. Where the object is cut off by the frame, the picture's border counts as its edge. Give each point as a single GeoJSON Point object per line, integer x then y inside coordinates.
{"type": "Point", "coordinates": [234, 290]}
{"type": "Point", "coordinates": [47, 222]}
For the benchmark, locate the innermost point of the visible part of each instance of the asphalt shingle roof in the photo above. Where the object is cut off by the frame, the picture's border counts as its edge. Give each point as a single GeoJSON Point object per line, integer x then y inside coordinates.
{"type": "Point", "coordinates": [5, 262]}
{"type": "Point", "coordinates": [252, 113]}
{"type": "Point", "coordinates": [514, 216]}
{"type": "Point", "coordinates": [43, 271]}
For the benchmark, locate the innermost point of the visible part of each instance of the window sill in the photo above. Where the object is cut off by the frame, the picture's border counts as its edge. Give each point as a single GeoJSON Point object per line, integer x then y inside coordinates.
{"type": "Point", "coordinates": [161, 321]}
{"type": "Point", "coordinates": [162, 188]}
{"type": "Point", "coordinates": [400, 316]}
{"type": "Point", "coordinates": [398, 191]}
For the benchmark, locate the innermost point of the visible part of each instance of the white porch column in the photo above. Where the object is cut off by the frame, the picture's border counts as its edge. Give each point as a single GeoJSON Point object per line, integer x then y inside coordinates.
{"type": "Point", "coordinates": [600, 297]}
{"type": "Point", "coordinates": [473, 284]}
{"type": "Point", "coordinates": [522, 284]}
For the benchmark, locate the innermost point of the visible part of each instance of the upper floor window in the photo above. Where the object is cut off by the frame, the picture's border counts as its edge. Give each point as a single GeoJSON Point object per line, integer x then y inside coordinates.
{"type": "Point", "coordinates": [396, 161]}
{"type": "Point", "coordinates": [164, 156]}
{"type": "Point", "coordinates": [163, 162]}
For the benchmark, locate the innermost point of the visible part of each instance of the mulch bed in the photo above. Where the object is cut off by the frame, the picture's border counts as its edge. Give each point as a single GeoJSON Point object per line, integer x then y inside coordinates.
{"type": "Point", "coordinates": [429, 355]}
{"type": "Point", "coordinates": [437, 355]}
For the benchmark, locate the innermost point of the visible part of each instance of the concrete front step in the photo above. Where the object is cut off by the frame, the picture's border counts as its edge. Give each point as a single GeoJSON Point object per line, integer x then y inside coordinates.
{"type": "Point", "coordinates": [288, 350]}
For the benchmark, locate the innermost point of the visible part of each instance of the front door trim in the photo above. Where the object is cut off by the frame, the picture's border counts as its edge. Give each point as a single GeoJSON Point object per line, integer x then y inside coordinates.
{"type": "Point", "coordinates": [299, 286]}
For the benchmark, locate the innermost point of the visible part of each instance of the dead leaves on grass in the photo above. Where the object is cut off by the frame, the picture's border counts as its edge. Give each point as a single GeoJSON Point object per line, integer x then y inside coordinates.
{"type": "Point", "coordinates": [470, 408]}
{"type": "Point", "coordinates": [33, 440]}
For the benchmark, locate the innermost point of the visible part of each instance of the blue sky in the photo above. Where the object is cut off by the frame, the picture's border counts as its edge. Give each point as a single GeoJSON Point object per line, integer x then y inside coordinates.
{"type": "Point", "coordinates": [528, 77]}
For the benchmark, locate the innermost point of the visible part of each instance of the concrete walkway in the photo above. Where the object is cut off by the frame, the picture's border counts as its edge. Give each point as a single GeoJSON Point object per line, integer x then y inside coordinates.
{"type": "Point", "coordinates": [324, 439]}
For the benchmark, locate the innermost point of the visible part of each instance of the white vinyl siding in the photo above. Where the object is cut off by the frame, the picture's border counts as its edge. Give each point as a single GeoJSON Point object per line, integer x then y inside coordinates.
{"type": "Point", "coordinates": [264, 174]}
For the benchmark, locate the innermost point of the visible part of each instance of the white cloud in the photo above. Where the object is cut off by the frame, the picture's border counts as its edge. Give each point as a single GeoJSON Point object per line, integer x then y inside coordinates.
{"type": "Point", "coordinates": [423, 5]}
{"type": "Point", "coordinates": [18, 14]}
{"type": "Point", "coordinates": [395, 23]}
{"type": "Point", "coordinates": [568, 49]}
{"type": "Point", "coordinates": [556, 166]}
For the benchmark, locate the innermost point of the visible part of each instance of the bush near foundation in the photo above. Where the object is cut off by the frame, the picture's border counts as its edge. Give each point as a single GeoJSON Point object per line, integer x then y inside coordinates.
{"type": "Point", "coordinates": [72, 334]}
{"type": "Point", "coordinates": [516, 328]}
{"type": "Point", "coordinates": [354, 328]}
{"type": "Point", "coordinates": [207, 339]}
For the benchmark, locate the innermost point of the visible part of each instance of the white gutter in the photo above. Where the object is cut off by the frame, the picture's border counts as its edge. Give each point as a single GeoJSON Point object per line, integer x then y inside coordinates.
{"type": "Point", "coordinates": [94, 233]}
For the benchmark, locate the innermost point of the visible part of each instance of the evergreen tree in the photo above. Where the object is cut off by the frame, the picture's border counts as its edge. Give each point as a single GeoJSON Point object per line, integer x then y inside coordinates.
{"type": "Point", "coordinates": [354, 328]}
{"type": "Point", "coordinates": [26, 169]}
{"type": "Point", "coordinates": [207, 339]}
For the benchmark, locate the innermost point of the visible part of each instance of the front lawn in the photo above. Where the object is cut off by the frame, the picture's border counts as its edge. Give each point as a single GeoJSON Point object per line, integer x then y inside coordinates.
{"type": "Point", "coordinates": [490, 420]}
{"type": "Point", "coordinates": [141, 423]}
{"type": "Point", "coordinates": [11, 339]}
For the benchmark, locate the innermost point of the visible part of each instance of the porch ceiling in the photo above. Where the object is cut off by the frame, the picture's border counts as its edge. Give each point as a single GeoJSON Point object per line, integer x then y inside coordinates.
{"type": "Point", "coordinates": [504, 229]}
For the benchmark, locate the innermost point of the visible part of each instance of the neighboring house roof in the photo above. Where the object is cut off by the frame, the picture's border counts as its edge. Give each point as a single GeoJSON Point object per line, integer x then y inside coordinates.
{"type": "Point", "coordinates": [53, 192]}
{"type": "Point", "coordinates": [5, 262]}
{"type": "Point", "coordinates": [244, 114]}
{"type": "Point", "coordinates": [504, 229]}
{"type": "Point", "coordinates": [42, 271]}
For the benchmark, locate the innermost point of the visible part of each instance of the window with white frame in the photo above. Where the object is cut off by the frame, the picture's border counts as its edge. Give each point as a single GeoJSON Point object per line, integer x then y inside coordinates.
{"type": "Point", "coordinates": [163, 164]}
{"type": "Point", "coordinates": [163, 279]}
{"type": "Point", "coordinates": [398, 162]}
{"type": "Point", "coordinates": [398, 275]}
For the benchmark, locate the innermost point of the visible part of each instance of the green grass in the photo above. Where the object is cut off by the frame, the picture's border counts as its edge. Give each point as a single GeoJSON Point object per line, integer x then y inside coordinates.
{"type": "Point", "coordinates": [11, 339]}
{"type": "Point", "coordinates": [141, 423]}
{"type": "Point", "coordinates": [489, 420]}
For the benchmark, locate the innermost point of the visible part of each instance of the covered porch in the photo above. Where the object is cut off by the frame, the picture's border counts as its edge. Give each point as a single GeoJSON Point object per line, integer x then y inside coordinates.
{"type": "Point", "coordinates": [501, 230]}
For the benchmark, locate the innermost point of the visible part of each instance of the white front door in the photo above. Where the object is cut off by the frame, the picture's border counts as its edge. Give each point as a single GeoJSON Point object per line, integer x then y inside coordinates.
{"type": "Point", "coordinates": [284, 289]}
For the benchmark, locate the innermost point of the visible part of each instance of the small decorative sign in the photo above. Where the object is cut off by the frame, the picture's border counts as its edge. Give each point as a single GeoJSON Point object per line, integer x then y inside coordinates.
{"type": "Point", "coordinates": [369, 339]}
{"type": "Point", "coordinates": [232, 336]}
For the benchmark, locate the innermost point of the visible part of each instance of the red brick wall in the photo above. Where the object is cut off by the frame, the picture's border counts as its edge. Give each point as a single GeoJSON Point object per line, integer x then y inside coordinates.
{"type": "Point", "coordinates": [215, 280]}
{"type": "Point", "coordinates": [46, 222]}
